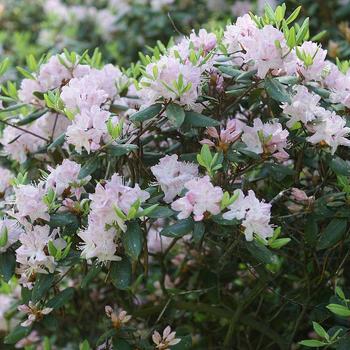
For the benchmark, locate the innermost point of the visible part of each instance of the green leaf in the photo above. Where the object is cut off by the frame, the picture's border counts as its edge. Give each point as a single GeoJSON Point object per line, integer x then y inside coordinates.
{"type": "Point", "coordinates": [89, 167]}
{"type": "Point", "coordinates": [132, 240]}
{"type": "Point", "coordinates": [179, 229]}
{"type": "Point", "coordinates": [161, 212]}
{"type": "Point", "coordinates": [147, 113]}
{"type": "Point", "coordinates": [57, 142]}
{"type": "Point", "coordinates": [198, 231]}
{"type": "Point", "coordinates": [332, 234]}
{"type": "Point", "coordinates": [41, 286]}
{"type": "Point", "coordinates": [313, 343]}
{"type": "Point", "coordinates": [121, 273]}
{"type": "Point", "coordinates": [311, 231]}
{"type": "Point", "coordinates": [61, 298]}
{"type": "Point", "coordinates": [63, 219]}
{"type": "Point", "coordinates": [185, 343]}
{"type": "Point", "coordinates": [7, 265]}
{"type": "Point", "coordinates": [121, 344]}
{"type": "Point", "coordinates": [31, 117]}
{"type": "Point", "coordinates": [90, 276]}
{"type": "Point", "coordinates": [198, 120]}
{"type": "Point", "coordinates": [260, 252]}
{"type": "Point", "coordinates": [340, 166]}
{"type": "Point", "coordinates": [276, 90]}
{"type": "Point", "coordinates": [17, 334]}
{"type": "Point", "coordinates": [4, 237]}
{"type": "Point", "coordinates": [320, 330]}
{"type": "Point", "coordinates": [84, 345]}
{"type": "Point", "coordinates": [11, 108]}
{"type": "Point", "coordinates": [120, 150]}
{"type": "Point", "coordinates": [175, 114]}
{"type": "Point", "coordinates": [339, 310]}
{"type": "Point", "coordinates": [279, 243]}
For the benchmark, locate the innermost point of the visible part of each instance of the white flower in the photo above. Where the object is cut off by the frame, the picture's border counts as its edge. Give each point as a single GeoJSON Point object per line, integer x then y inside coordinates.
{"type": "Point", "coordinates": [29, 202]}
{"type": "Point", "coordinates": [32, 254]}
{"type": "Point", "coordinates": [303, 107]}
{"type": "Point", "coordinates": [34, 312]}
{"type": "Point", "coordinates": [12, 229]}
{"type": "Point", "coordinates": [255, 215]}
{"type": "Point", "coordinates": [172, 175]}
{"type": "Point", "coordinates": [65, 176]}
{"type": "Point", "coordinates": [331, 129]}
{"type": "Point", "coordinates": [202, 197]}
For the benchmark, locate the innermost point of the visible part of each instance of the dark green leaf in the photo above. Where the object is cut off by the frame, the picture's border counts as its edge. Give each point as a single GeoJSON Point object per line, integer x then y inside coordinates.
{"type": "Point", "coordinates": [121, 273]}
{"type": "Point", "coordinates": [179, 229]}
{"type": "Point", "coordinates": [340, 166]}
{"type": "Point", "coordinates": [120, 150]}
{"type": "Point", "coordinates": [198, 231]}
{"type": "Point", "coordinates": [132, 240]}
{"type": "Point", "coordinates": [332, 234]}
{"type": "Point", "coordinates": [58, 142]}
{"type": "Point", "coordinates": [7, 265]}
{"type": "Point", "coordinates": [276, 90]}
{"type": "Point", "coordinates": [260, 252]}
{"type": "Point", "coordinates": [89, 167]}
{"type": "Point", "coordinates": [31, 117]}
{"type": "Point", "coordinates": [92, 273]}
{"type": "Point", "coordinates": [61, 298]}
{"type": "Point", "coordinates": [198, 120]}
{"type": "Point", "coordinates": [147, 113]}
{"type": "Point", "coordinates": [175, 114]}
{"type": "Point", "coordinates": [17, 334]}
{"type": "Point", "coordinates": [121, 344]}
{"type": "Point", "coordinates": [63, 219]}
{"type": "Point", "coordinates": [41, 286]}
{"type": "Point", "coordinates": [161, 212]}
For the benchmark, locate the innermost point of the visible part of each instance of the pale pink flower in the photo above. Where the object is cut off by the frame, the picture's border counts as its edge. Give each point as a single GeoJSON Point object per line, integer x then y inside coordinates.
{"type": "Point", "coordinates": [99, 242]}
{"type": "Point", "coordinates": [27, 88]}
{"type": "Point", "coordinates": [34, 312]}
{"type": "Point", "coordinates": [330, 129]}
{"type": "Point", "coordinates": [172, 175]}
{"type": "Point", "coordinates": [32, 339]}
{"type": "Point", "coordinates": [227, 135]}
{"type": "Point", "coordinates": [300, 195]}
{"type": "Point", "coordinates": [203, 40]}
{"type": "Point", "coordinates": [268, 138]}
{"type": "Point", "coordinates": [255, 215]}
{"type": "Point", "coordinates": [5, 179]}
{"type": "Point", "coordinates": [165, 341]}
{"type": "Point", "coordinates": [315, 70]}
{"type": "Point", "coordinates": [119, 318]}
{"type": "Point", "coordinates": [32, 254]}
{"type": "Point", "coordinates": [29, 202]}
{"type": "Point", "coordinates": [236, 34]}
{"type": "Point", "coordinates": [66, 176]}
{"type": "Point", "coordinates": [202, 197]}
{"type": "Point", "coordinates": [12, 229]}
{"type": "Point", "coordinates": [161, 86]}
{"type": "Point", "coordinates": [303, 107]}
{"type": "Point", "coordinates": [263, 51]}
{"type": "Point", "coordinates": [88, 129]}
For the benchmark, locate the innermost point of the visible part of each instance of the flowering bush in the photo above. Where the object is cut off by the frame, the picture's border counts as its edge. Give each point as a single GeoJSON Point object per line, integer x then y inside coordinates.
{"type": "Point", "coordinates": [195, 200]}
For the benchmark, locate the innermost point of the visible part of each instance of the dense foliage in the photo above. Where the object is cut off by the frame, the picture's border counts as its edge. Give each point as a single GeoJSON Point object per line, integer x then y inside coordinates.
{"type": "Point", "coordinates": [197, 198]}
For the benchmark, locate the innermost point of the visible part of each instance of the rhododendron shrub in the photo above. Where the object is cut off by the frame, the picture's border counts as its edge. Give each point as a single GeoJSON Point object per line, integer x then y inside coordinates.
{"type": "Point", "coordinates": [197, 199]}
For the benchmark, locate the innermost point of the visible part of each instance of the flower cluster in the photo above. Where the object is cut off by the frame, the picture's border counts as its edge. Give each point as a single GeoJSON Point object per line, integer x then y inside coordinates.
{"type": "Point", "coordinates": [100, 237]}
